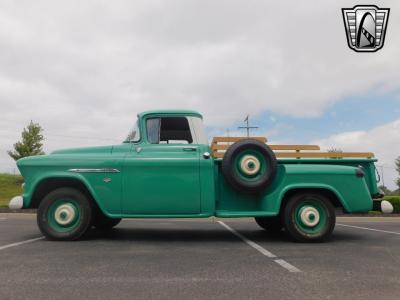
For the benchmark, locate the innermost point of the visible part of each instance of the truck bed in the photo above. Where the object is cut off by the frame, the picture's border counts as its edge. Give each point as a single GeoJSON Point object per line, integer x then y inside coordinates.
{"type": "Point", "coordinates": [287, 155]}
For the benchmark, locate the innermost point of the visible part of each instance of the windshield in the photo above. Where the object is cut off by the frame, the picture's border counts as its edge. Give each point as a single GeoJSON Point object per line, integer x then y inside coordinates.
{"type": "Point", "coordinates": [134, 134]}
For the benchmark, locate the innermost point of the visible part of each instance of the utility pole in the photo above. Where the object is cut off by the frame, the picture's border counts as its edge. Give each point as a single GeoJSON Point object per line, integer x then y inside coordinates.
{"type": "Point", "coordinates": [247, 127]}
{"type": "Point", "coordinates": [383, 180]}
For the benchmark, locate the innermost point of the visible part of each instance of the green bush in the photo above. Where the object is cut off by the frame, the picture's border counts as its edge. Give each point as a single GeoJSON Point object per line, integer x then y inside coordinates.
{"type": "Point", "coordinates": [395, 200]}
{"type": "Point", "coordinates": [10, 186]}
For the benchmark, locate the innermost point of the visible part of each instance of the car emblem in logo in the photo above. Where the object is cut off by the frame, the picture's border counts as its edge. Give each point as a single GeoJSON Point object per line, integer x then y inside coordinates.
{"type": "Point", "coordinates": [365, 27]}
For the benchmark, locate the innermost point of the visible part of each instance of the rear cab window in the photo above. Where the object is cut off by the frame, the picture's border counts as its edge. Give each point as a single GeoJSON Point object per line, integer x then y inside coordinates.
{"type": "Point", "coordinates": [169, 130]}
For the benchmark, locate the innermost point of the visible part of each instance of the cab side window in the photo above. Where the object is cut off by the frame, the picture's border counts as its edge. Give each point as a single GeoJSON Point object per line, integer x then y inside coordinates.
{"type": "Point", "coordinates": [168, 130]}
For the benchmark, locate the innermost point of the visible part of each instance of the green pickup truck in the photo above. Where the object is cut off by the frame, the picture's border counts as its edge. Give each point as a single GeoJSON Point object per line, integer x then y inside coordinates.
{"type": "Point", "coordinates": [166, 168]}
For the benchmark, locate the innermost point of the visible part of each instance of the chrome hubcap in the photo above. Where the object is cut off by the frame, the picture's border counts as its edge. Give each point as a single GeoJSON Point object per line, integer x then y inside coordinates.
{"type": "Point", "coordinates": [309, 216]}
{"type": "Point", "coordinates": [250, 165]}
{"type": "Point", "coordinates": [65, 214]}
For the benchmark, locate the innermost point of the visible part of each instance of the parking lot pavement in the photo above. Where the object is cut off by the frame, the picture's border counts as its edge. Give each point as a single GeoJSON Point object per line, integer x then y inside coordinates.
{"type": "Point", "coordinates": [197, 259]}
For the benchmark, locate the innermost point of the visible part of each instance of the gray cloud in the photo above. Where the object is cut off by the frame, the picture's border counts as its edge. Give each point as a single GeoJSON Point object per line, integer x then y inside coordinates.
{"type": "Point", "coordinates": [384, 140]}
{"type": "Point", "coordinates": [86, 68]}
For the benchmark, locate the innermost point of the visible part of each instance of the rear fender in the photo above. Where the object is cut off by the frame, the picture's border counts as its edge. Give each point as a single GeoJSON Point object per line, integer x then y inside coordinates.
{"type": "Point", "coordinates": [347, 183]}
{"type": "Point", "coordinates": [313, 186]}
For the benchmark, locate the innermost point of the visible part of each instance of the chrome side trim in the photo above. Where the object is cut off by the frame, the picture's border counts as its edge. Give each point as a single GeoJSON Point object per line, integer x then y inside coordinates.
{"type": "Point", "coordinates": [105, 170]}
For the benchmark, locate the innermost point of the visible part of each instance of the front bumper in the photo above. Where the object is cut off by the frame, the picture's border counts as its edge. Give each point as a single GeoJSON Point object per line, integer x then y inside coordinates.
{"type": "Point", "coordinates": [16, 203]}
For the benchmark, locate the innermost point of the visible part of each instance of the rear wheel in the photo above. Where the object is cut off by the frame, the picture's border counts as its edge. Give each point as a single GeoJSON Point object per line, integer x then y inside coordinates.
{"type": "Point", "coordinates": [309, 217]}
{"type": "Point", "coordinates": [270, 224]}
{"type": "Point", "coordinates": [64, 214]}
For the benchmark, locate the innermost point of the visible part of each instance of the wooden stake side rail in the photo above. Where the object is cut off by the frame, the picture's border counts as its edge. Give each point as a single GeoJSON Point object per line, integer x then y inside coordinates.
{"type": "Point", "coordinates": [313, 154]}
{"type": "Point", "coordinates": [275, 147]}
{"type": "Point", "coordinates": [293, 151]}
{"type": "Point", "coordinates": [233, 139]}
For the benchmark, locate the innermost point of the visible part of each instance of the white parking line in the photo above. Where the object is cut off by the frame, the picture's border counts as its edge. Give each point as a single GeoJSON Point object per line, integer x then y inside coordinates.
{"type": "Point", "coordinates": [21, 243]}
{"type": "Point", "coordinates": [262, 250]}
{"type": "Point", "coordinates": [2, 219]}
{"type": "Point", "coordinates": [370, 229]}
{"type": "Point", "coordinates": [286, 265]}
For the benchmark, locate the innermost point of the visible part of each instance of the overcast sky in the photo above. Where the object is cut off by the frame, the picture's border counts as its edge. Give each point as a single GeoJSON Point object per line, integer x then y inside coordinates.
{"type": "Point", "coordinates": [84, 69]}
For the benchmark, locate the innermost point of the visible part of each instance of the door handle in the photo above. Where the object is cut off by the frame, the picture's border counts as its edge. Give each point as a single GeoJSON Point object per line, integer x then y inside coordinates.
{"type": "Point", "coordinates": [188, 149]}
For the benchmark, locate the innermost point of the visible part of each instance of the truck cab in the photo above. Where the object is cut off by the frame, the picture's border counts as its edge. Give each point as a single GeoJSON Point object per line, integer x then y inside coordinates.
{"type": "Point", "coordinates": [166, 159]}
{"type": "Point", "coordinates": [166, 168]}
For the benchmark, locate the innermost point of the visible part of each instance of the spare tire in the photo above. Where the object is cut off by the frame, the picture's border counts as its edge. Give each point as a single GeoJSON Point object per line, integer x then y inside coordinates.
{"type": "Point", "coordinates": [249, 166]}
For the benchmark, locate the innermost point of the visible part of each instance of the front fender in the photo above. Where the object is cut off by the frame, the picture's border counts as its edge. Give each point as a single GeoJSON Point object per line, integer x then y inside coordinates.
{"type": "Point", "coordinates": [88, 180]}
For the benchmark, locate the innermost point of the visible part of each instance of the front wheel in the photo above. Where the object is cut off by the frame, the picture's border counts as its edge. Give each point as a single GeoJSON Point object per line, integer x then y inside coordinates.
{"type": "Point", "coordinates": [309, 217]}
{"type": "Point", "coordinates": [64, 214]}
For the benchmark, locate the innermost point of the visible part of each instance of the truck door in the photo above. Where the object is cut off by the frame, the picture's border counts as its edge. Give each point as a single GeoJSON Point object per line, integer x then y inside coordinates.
{"type": "Point", "coordinates": [161, 175]}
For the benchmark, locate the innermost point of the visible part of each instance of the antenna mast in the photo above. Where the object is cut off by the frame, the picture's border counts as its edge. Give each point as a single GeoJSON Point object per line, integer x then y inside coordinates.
{"type": "Point", "coordinates": [247, 127]}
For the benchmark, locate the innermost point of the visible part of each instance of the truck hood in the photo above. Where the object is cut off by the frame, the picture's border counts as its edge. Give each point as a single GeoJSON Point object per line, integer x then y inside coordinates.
{"type": "Point", "coordinates": [63, 158]}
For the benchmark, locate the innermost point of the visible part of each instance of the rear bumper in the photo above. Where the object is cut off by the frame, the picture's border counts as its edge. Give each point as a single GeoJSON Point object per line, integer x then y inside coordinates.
{"type": "Point", "coordinates": [376, 205]}
{"type": "Point", "coordinates": [378, 196]}
{"type": "Point", "coordinates": [383, 206]}
{"type": "Point", "coordinates": [377, 199]}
